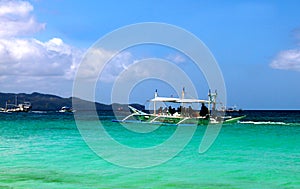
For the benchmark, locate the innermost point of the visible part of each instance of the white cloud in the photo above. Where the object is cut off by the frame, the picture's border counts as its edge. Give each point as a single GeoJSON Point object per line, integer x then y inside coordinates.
{"type": "Point", "coordinates": [176, 58]}
{"type": "Point", "coordinates": [19, 8]}
{"type": "Point", "coordinates": [30, 57]}
{"type": "Point", "coordinates": [28, 64]}
{"type": "Point", "coordinates": [287, 60]}
{"type": "Point", "coordinates": [16, 19]}
{"type": "Point", "coordinates": [113, 64]}
{"type": "Point", "coordinates": [116, 65]}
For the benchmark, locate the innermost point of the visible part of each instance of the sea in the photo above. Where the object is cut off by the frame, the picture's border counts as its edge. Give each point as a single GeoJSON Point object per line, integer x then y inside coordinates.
{"type": "Point", "coordinates": [49, 150]}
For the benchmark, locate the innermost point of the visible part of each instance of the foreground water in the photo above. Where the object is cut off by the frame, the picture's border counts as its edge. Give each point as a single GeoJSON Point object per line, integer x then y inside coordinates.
{"type": "Point", "coordinates": [46, 150]}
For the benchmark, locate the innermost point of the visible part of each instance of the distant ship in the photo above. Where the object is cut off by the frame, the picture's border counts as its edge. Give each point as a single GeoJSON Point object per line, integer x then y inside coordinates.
{"type": "Point", "coordinates": [230, 109]}
{"type": "Point", "coordinates": [24, 107]}
{"type": "Point", "coordinates": [233, 109]}
{"type": "Point", "coordinates": [66, 109]}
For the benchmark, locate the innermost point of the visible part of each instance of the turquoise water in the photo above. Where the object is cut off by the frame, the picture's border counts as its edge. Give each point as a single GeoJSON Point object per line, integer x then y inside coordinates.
{"type": "Point", "coordinates": [46, 150]}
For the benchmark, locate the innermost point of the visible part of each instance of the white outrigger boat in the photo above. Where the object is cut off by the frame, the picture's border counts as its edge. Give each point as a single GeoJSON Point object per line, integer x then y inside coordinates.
{"type": "Point", "coordinates": [183, 114]}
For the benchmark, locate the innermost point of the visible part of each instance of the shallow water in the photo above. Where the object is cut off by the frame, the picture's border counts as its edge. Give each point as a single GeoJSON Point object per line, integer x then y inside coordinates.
{"type": "Point", "coordinates": [46, 150]}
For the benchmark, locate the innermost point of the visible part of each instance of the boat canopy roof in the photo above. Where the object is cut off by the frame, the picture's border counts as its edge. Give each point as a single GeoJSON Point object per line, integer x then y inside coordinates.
{"type": "Point", "coordinates": [177, 100]}
{"type": "Point", "coordinates": [164, 99]}
{"type": "Point", "coordinates": [193, 101]}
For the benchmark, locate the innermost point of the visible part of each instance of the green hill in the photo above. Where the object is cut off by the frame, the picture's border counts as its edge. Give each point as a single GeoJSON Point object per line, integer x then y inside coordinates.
{"type": "Point", "coordinates": [48, 102]}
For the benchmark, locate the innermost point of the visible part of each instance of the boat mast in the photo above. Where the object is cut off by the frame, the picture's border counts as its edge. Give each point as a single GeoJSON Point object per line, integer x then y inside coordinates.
{"type": "Point", "coordinates": [154, 103]}
{"type": "Point", "coordinates": [182, 97]}
{"type": "Point", "coordinates": [209, 100]}
{"type": "Point", "coordinates": [182, 93]}
{"type": "Point", "coordinates": [212, 98]}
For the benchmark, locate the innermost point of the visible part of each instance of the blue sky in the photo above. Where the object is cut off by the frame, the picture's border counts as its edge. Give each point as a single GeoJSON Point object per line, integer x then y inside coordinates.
{"type": "Point", "coordinates": [256, 43]}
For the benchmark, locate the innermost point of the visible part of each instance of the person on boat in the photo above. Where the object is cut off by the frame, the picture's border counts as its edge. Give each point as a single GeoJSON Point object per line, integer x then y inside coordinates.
{"type": "Point", "coordinates": [171, 110]}
{"type": "Point", "coordinates": [204, 110]}
{"type": "Point", "coordinates": [179, 109]}
{"type": "Point", "coordinates": [160, 110]}
{"type": "Point", "coordinates": [190, 111]}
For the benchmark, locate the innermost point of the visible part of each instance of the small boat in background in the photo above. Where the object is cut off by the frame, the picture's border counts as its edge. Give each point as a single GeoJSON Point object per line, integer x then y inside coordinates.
{"type": "Point", "coordinates": [23, 107]}
{"type": "Point", "coordinates": [66, 109]}
{"type": "Point", "coordinates": [230, 109]}
{"type": "Point", "coordinates": [233, 109]}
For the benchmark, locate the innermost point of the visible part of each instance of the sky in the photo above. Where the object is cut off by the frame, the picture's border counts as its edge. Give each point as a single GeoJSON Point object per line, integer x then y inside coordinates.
{"type": "Point", "coordinates": [256, 44]}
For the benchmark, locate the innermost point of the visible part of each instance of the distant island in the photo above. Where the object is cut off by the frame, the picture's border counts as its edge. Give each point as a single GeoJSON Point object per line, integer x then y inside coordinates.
{"type": "Point", "coordinates": [49, 102]}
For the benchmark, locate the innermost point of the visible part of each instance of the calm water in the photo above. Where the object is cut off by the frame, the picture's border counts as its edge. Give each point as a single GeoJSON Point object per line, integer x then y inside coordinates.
{"type": "Point", "coordinates": [46, 150]}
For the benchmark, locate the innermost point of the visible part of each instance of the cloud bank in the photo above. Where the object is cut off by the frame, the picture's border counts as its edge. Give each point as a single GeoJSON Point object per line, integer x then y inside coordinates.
{"type": "Point", "coordinates": [16, 19]}
{"type": "Point", "coordinates": [30, 57]}
{"type": "Point", "coordinates": [176, 58]}
{"type": "Point", "coordinates": [114, 63]}
{"type": "Point", "coordinates": [28, 64]}
{"type": "Point", "coordinates": [288, 59]}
